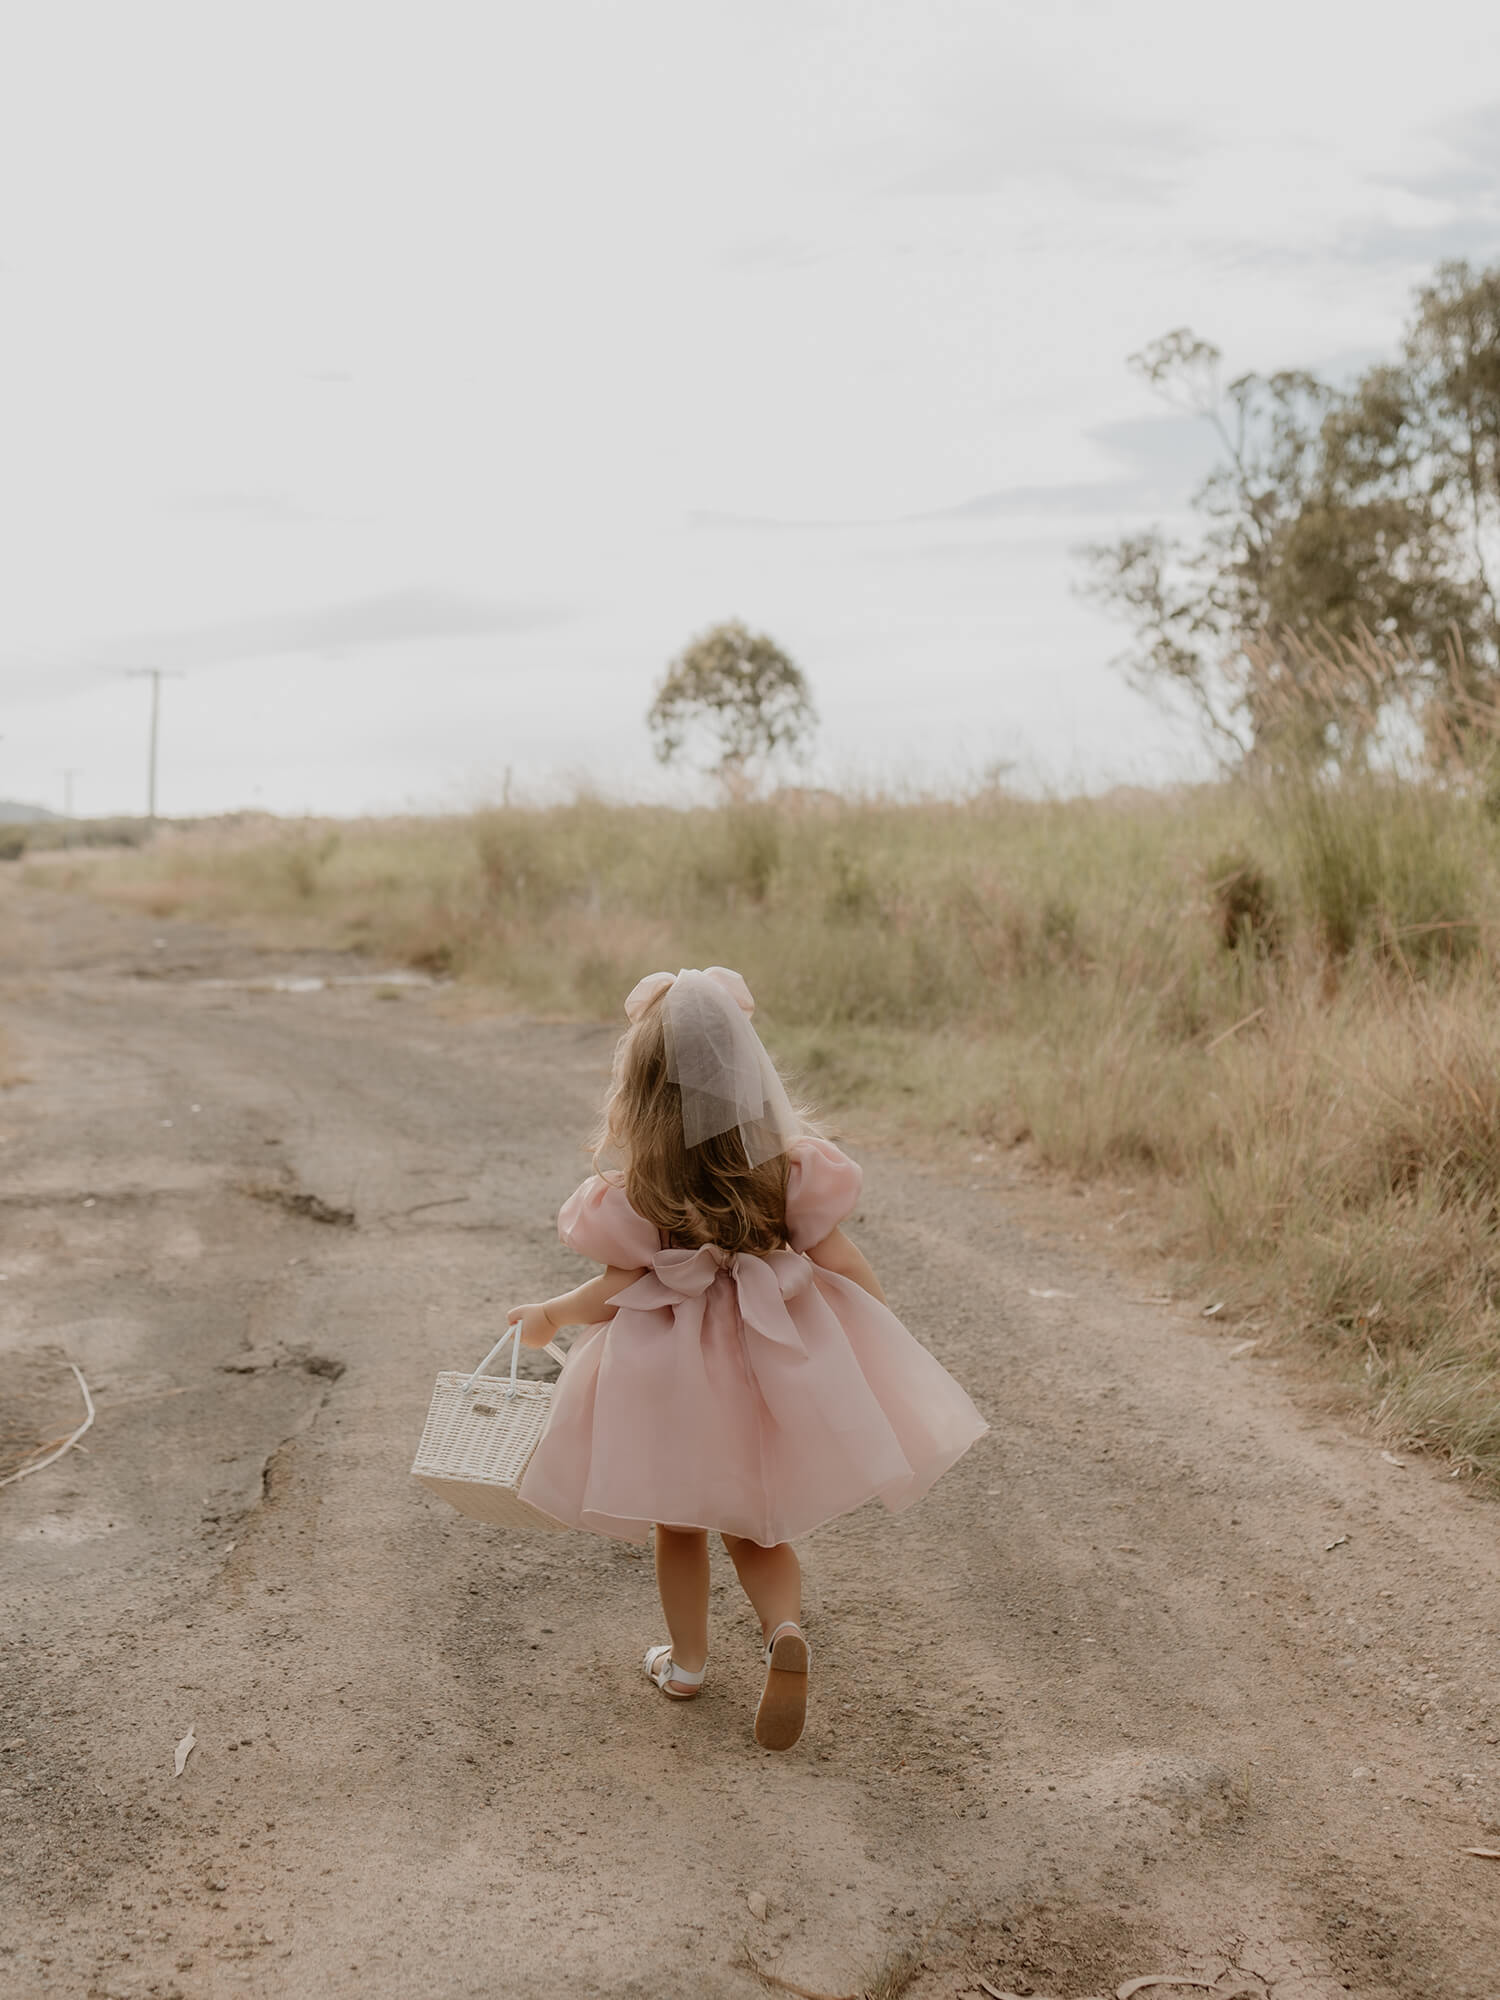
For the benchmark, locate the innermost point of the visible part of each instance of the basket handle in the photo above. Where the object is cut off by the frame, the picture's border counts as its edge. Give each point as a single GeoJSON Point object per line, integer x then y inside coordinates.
{"type": "Point", "coordinates": [552, 1348]}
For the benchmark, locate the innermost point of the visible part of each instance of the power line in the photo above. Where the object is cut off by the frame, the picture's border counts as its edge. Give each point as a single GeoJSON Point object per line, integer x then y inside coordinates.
{"type": "Point", "coordinates": [156, 675]}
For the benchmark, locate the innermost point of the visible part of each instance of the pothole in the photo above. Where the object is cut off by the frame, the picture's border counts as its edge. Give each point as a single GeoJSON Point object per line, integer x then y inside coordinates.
{"type": "Point", "coordinates": [298, 1201]}
{"type": "Point", "coordinates": [277, 1354]}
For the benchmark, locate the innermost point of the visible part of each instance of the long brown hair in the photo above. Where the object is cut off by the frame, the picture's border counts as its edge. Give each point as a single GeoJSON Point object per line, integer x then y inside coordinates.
{"type": "Point", "coordinates": [695, 1194]}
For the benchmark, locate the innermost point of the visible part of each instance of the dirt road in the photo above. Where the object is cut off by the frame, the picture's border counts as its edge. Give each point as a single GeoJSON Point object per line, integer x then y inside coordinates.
{"type": "Point", "coordinates": [1171, 1675]}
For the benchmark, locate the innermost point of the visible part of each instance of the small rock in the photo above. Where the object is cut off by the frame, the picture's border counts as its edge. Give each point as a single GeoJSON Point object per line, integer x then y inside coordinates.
{"type": "Point", "coordinates": [1363, 1771]}
{"type": "Point", "coordinates": [757, 1905]}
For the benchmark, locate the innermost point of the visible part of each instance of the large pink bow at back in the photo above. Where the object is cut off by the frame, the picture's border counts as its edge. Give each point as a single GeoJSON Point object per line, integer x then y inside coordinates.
{"type": "Point", "coordinates": [762, 1285]}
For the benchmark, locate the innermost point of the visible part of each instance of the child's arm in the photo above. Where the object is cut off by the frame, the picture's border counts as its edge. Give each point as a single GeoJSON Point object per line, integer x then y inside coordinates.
{"type": "Point", "coordinates": [837, 1253]}
{"type": "Point", "coordinates": [586, 1305]}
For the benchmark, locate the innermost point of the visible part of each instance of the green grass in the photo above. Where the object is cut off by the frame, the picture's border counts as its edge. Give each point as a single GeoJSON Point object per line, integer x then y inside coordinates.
{"type": "Point", "coordinates": [1277, 1010]}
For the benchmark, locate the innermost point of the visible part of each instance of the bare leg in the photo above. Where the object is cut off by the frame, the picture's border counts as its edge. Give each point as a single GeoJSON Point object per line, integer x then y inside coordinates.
{"type": "Point", "coordinates": [772, 1580]}
{"type": "Point", "coordinates": [682, 1579]}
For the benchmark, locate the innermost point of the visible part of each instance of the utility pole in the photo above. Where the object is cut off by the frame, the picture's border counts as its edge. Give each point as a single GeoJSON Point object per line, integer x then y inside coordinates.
{"type": "Point", "coordinates": [156, 675]}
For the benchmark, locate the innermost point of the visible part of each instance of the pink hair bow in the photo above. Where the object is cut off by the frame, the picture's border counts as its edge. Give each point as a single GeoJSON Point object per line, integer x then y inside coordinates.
{"type": "Point", "coordinates": [651, 988]}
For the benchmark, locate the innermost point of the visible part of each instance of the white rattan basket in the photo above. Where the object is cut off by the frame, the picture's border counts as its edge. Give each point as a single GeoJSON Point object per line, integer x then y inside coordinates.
{"type": "Point", "coordinates": [479, 1437]}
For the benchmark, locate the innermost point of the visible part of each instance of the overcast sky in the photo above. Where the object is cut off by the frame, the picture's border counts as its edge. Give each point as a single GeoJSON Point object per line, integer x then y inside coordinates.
{"type": "Point", "coordinates": [416, 379]}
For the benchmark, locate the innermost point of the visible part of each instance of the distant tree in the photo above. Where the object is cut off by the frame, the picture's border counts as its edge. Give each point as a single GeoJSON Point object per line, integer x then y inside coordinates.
{"type": "Point", "coordinates": [1339, 526]}
{"type": "Point", "coordinates": [1450, 376]}
{"type": "Point", "coordinates": [736, 698]}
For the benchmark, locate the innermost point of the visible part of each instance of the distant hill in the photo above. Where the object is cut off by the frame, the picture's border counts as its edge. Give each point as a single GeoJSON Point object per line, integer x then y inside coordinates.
{"type": "Point", "coordinates": [14, 813]}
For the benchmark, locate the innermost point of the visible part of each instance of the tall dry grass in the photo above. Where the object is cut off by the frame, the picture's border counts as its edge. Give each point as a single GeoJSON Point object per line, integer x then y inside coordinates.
{"type": "Point", "coordinates": [1277, 1006]}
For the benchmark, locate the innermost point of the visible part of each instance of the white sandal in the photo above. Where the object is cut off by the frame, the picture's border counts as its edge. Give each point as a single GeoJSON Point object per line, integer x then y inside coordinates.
{"type": "Point", "coordinates": [783, 1704]}
{"type": "Point", "coordinates": [675, 1682]}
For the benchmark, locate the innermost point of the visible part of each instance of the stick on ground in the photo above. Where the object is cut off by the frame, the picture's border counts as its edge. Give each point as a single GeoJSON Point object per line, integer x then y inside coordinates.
{"type": "Point", "coordinates": [67, 1443]}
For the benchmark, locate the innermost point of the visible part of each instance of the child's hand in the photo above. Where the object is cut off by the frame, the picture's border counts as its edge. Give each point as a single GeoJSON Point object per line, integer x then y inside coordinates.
{"type": "Point", "coordinates": [536, 1328]}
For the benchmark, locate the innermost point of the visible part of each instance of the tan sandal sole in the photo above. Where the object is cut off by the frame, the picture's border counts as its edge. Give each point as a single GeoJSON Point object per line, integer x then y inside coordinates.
{"type": "Point", "coordinates": [783, 1704]}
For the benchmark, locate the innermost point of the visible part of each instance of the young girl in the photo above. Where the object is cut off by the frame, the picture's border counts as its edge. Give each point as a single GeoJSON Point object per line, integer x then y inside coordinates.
{"type": "Point", "coordinates": [741, 1371]}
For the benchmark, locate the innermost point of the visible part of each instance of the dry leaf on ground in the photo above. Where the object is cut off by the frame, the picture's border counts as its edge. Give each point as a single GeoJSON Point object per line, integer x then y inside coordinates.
{"type": "Point", "coordinates": [1160, 1979]}
{"type": "Point", "coordinates": [184, 1751]}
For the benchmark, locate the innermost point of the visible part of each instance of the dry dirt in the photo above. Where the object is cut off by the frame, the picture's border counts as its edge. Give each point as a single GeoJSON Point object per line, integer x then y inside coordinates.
{"type": "Point", "coordinates": [1171, 1675]}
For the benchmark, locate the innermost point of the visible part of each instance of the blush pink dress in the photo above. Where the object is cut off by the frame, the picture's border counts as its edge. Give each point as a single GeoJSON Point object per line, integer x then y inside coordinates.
{"type": "Point", "coordinates": [755, 1395]}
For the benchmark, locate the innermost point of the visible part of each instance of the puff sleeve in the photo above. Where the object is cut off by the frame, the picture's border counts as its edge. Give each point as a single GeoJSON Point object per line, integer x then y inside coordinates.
{"type": "Point", "coordinates": [598, 1222]}
{"type": "Point", "coordinates": [822, 1189]}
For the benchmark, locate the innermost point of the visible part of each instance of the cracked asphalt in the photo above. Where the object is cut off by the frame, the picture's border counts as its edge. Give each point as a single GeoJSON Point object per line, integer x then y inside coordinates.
{"type": "Point", "coordinates": [1172, 1674]}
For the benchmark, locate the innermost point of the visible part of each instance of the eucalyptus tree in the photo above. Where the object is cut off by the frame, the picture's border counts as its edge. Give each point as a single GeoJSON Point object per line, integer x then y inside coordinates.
{"type": "Point", "coordinates": [1345, 557]}
{"type": "Point", "coordinates": [731, 700]}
